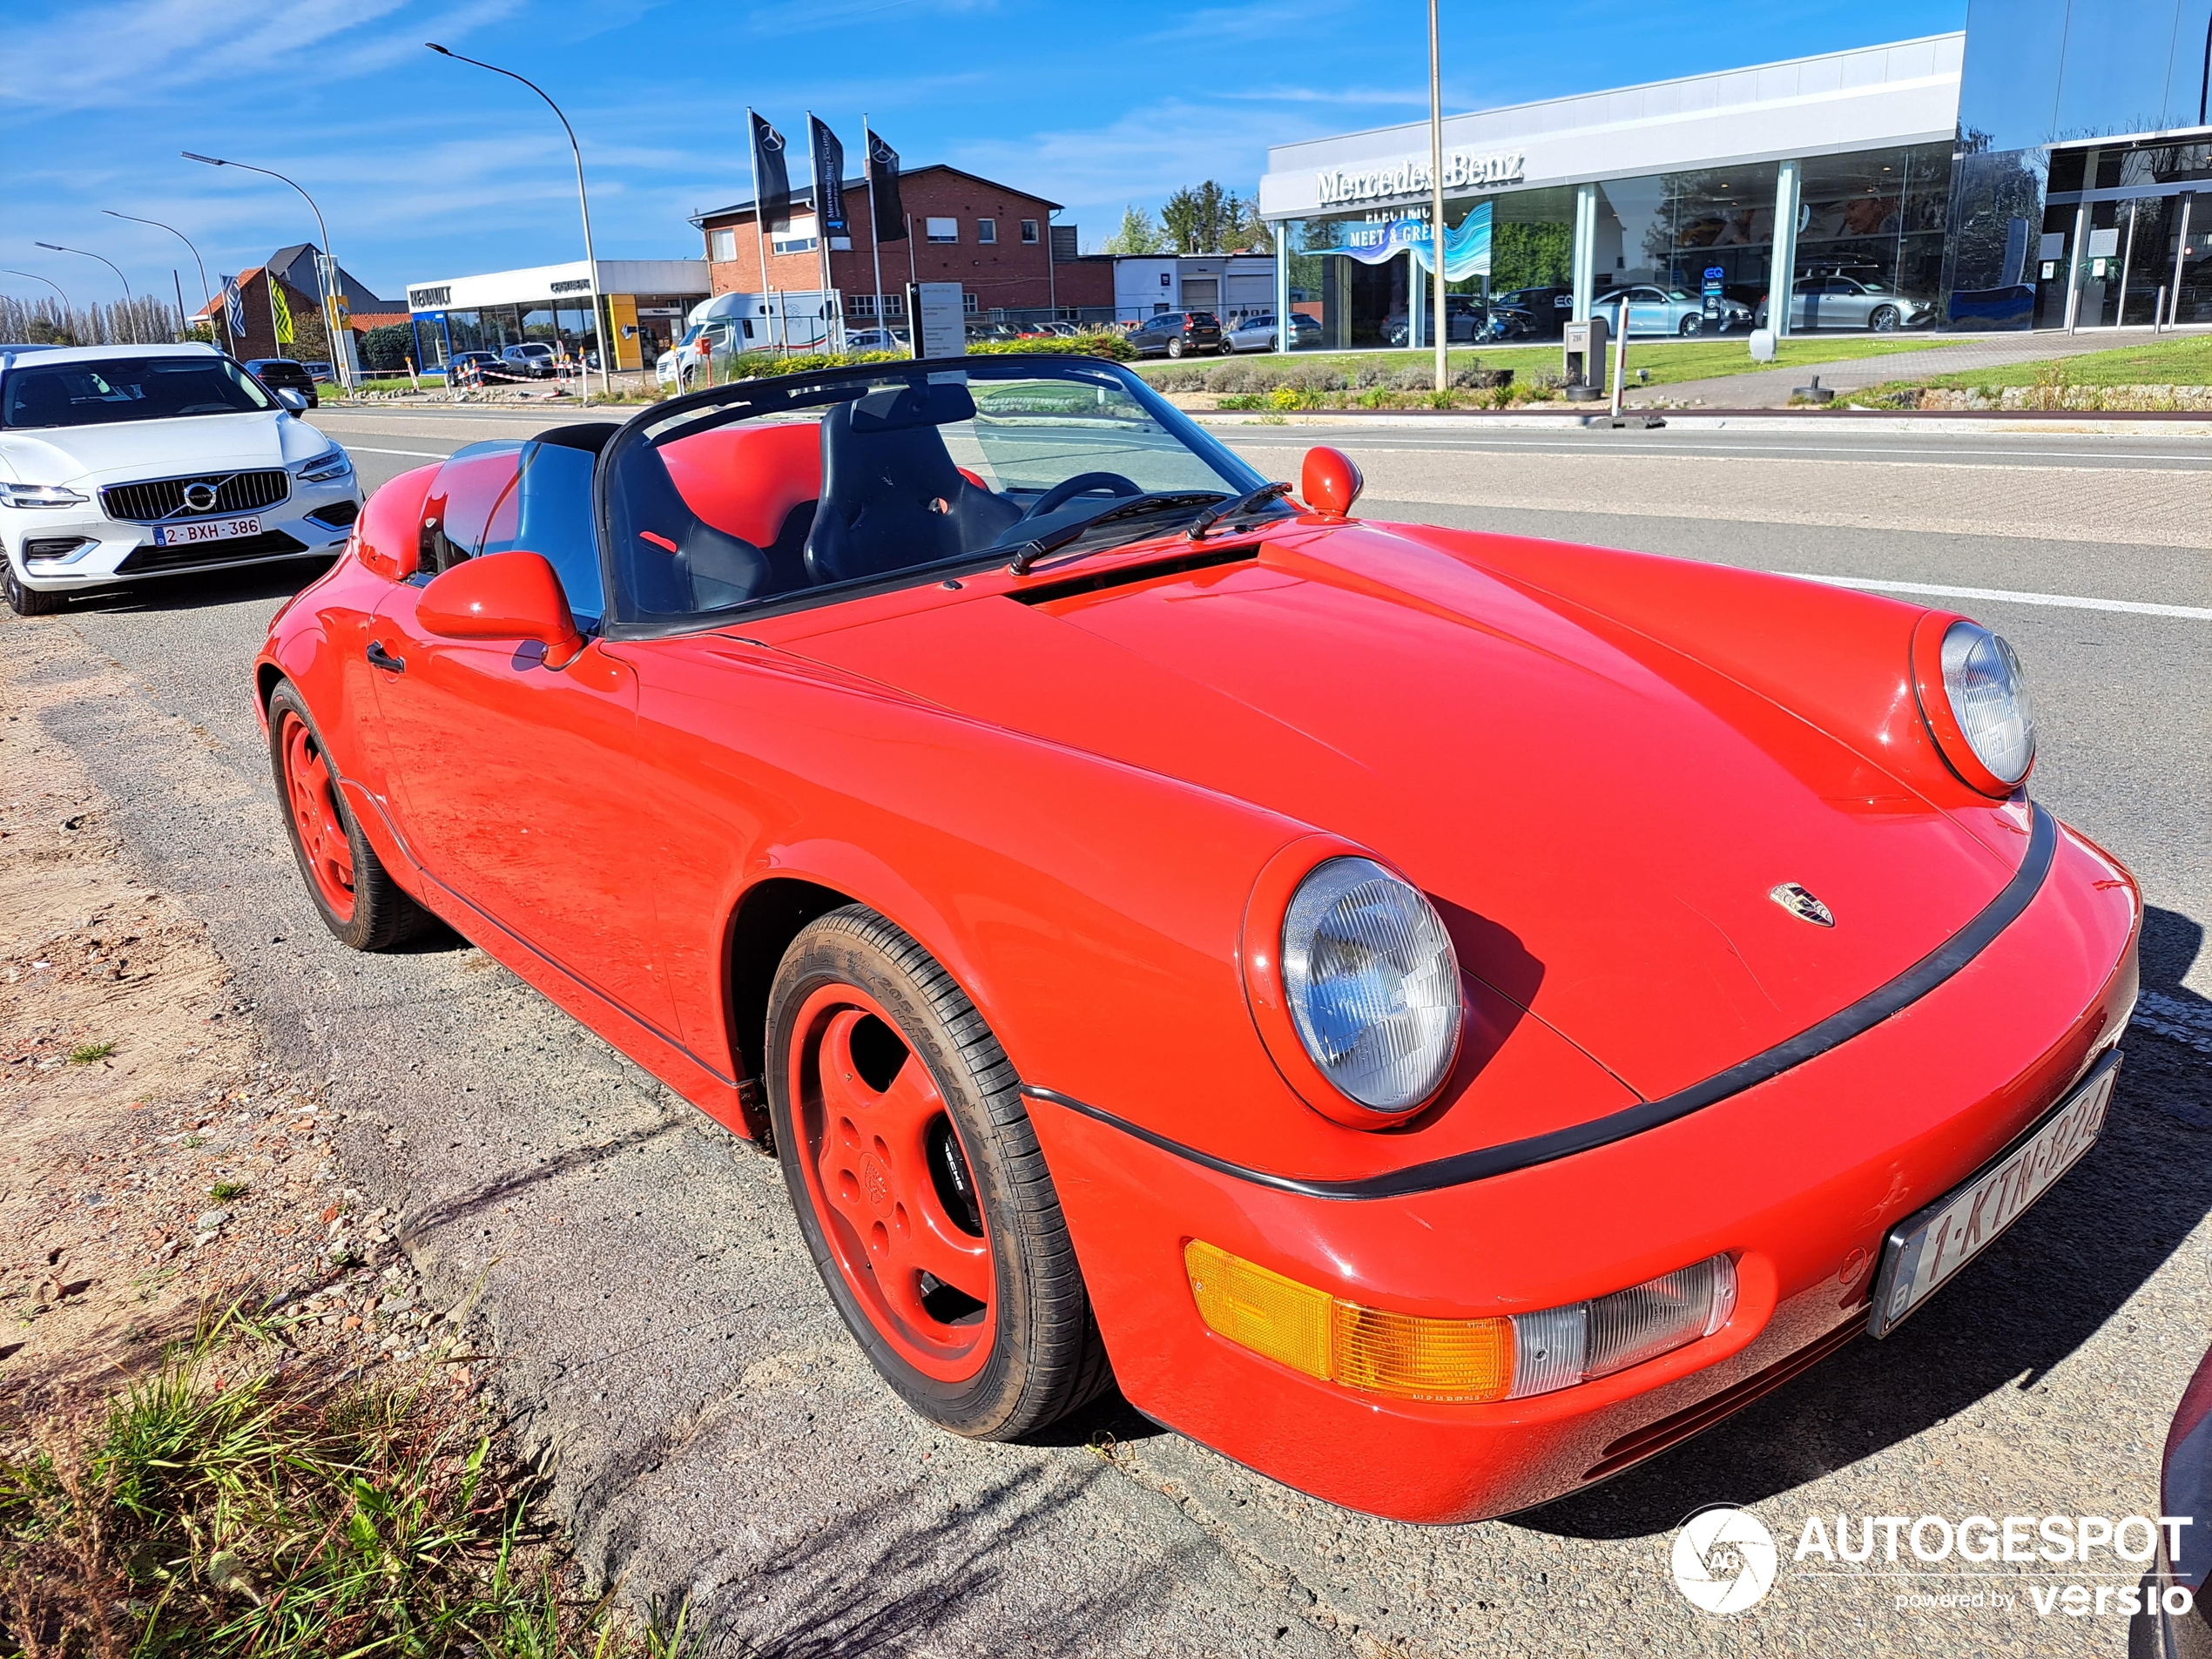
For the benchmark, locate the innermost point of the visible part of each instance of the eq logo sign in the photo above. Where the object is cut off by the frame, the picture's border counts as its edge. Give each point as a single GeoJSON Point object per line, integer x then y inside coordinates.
{"type": "Point", "coordinates": [1725, 1560]}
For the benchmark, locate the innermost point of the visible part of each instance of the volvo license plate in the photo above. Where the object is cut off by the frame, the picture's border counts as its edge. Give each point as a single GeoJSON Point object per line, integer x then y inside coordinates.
{"type": "Point", "coordinates": [1926, 1252]}
{"type": "Point", "coordinates": [207, 530]}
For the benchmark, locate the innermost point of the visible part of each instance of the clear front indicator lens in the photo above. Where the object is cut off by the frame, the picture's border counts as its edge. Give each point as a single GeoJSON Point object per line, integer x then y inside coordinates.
{"type": "Point", "coordinates": [1464, 1361]}
{"type": "Point", "coordinates": [330, 463]}
{"type": "Point", "coordinates": [39, 496]}
{"type": "Point", "coordinates": [1373, 984]}
{"type": "Point", "coordinates": [1982, 676]}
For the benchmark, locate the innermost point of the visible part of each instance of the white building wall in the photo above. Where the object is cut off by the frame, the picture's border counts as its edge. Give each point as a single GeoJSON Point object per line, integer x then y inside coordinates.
{"type": "Point", "coordinates": [1906, 92]}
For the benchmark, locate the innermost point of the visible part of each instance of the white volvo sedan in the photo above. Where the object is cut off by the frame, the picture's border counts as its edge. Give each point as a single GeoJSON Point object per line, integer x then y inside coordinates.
{"type": "Point", "coordinates": [121, 463]}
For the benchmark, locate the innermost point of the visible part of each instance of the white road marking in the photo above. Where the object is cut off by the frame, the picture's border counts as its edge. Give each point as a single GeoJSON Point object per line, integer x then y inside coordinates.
{"type": "Point", "coordinates": [423, 454]}
{"type": "Point", "coordinates": [2072, 602]}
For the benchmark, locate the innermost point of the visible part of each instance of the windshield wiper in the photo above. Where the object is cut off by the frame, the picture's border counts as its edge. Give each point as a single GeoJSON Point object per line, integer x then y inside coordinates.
{"type": "Point", "coordinates": [1251, 501]}
{"type": "Point", "coordinates": [1029, 552]}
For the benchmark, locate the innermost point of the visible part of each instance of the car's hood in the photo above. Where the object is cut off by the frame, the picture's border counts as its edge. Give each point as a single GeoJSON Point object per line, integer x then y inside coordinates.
{"type": "Point", "coordinates": [1600, 820]}
{"type": "Point", "coordinates": [158, 448]}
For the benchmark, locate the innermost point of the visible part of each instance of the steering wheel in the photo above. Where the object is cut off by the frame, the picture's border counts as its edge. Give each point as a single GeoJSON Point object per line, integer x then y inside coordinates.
{"type": "Point", "coordinates": [1083, 483]}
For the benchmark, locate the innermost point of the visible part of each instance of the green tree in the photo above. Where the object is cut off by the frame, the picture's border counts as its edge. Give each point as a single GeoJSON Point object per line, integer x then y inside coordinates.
{"type": "Point", "coordinates": [387, 347]}
{"type": "Point", "coordinates": [1531, 256]}
{"type": "Point", "coordinates": [1203, 218]}
{"type": "Point", "coordinates": [1137, 234]}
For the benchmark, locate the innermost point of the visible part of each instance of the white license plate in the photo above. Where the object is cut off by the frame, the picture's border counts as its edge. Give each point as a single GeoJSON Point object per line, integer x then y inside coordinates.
{"type": "Point", "coordinates": [1925, 1254]}
{"type": "Point", "coordinates": [205, 529]}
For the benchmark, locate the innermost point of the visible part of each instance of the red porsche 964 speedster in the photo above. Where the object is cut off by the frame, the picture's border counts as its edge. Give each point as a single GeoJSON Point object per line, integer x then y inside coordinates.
{"type": "Point", "coordinates": [1437, 1016]}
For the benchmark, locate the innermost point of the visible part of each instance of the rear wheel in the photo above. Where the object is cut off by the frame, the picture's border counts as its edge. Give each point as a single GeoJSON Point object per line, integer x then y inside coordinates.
{"type": "Point", "coordinates": [919, 1185]}
{"type": "Point", "coordinates": [1692, 324]}
{"type": "Point", "coordinates": [28, 601]}
{"type": "Point", "coordinates": [353, 893]}
{"type": "Point", "coordinates": [1175, 346]}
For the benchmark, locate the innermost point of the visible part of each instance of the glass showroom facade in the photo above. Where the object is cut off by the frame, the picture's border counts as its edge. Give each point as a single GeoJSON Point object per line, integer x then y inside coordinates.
{"type": "Point", "coordinates": [643, 302]}
{"type": "Point", "coordinates": [2041, 170]}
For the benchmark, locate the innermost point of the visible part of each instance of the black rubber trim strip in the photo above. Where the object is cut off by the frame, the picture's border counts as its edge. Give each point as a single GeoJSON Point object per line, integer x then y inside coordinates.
{"type": "Point", "coordinates": [1838, 1028]}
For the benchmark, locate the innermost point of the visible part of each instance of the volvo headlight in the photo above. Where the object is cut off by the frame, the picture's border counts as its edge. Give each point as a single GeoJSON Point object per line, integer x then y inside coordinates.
{"type": "Point", "coordinates": [39, 496]}
{"type": "Point", "coordinates": [332, 462]}
{"type": "Point", "coordinates": [1988, 699]}
{"type": "Point", "coordinates": [1372, 984]}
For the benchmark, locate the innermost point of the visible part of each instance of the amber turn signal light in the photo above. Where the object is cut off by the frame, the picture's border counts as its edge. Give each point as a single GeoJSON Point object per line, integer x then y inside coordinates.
{"type": "Point", "coordinates": [1370, 1348]}
{"type": "Point", "coordinates": [1465, 1360]}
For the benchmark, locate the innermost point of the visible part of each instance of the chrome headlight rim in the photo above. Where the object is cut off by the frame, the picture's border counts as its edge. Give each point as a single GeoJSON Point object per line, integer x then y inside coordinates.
{"type": "Point", "coordinates": [1270, 993]}
{"type": "Point", "coordinates": [1975, 703]}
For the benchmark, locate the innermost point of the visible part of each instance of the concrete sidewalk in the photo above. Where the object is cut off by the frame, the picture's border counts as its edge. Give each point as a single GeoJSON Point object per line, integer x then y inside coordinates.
{"type": "Point", "coordinates": [1771, 389]}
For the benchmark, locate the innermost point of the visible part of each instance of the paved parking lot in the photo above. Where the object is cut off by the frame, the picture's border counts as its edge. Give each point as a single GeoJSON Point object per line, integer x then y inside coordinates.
{"type": "Point", "coordinates": [721, 1439]}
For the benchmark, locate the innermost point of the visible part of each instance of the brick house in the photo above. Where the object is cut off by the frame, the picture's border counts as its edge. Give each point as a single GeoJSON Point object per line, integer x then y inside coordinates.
{"type": "Point", "coordinates": [993, 239]}
{"type": "Point", "coordinates": [309, 343]}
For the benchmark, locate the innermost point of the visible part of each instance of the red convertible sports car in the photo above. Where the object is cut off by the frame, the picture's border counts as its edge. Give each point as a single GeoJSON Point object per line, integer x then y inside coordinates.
{"type": "Point", "coordinates": [1437, 1016]}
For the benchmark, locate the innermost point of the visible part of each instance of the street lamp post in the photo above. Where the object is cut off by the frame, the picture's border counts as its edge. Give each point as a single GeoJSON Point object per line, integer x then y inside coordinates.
{"type": "Point", "coordinates": [128, 303]}
{"type": "Point", "coordinates": [1441, 323]}
{"type": "Point", "coordinates": [325, 281]}
{"type": "Point", "coordinates": [69, 313]}
{"type": "Point", "coordinates": [599, 328]}
{"type": "Point", "coordinates": [206, 296]}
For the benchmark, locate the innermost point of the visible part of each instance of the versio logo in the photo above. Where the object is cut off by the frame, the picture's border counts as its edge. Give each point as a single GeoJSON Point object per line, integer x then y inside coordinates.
{"type": "Point", "coordinates": [1725, 1560]}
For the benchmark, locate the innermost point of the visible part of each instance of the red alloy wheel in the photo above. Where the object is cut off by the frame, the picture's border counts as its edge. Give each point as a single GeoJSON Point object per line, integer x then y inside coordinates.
{"type": "Point", "coordinates": [891, 1185]}
{"type": "Point", "coordinates": [324, 845]}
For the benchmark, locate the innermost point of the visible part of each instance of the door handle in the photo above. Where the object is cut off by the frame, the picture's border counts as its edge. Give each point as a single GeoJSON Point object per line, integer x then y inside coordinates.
{"type": "Point", "coordinates": [378, 658]}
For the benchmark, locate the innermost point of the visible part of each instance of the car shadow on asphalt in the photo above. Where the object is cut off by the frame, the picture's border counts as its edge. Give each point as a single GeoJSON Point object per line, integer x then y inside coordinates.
{"type": "Point", "coordinates": [205, 587]}
{"type": "Point", "coordinates": [2058, 1276]}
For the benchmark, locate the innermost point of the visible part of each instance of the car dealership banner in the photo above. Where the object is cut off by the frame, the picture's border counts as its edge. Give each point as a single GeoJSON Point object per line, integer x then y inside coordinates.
{"type": "Point", "coordinates": [1467, 250]}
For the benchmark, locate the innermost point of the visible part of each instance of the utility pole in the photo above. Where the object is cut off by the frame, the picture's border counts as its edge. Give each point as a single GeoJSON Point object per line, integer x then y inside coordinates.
{"type": "Point", "coordinates": [1439, 323]}
{"type": "Point", "coordinates": [339, 364]}
{"type": "Point", "coordinates": [129, 305]}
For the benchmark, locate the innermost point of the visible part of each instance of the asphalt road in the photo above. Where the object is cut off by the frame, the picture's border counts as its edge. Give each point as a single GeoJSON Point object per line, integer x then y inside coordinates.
{"type": "Point", "coordinates": [720, 1438]}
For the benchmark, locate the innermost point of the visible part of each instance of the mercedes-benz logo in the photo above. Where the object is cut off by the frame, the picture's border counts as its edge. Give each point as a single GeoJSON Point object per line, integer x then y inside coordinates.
{"type": "Point", "coordinates": [1801, 905]}
{"type": "Point", "coordinates": [199, 495]}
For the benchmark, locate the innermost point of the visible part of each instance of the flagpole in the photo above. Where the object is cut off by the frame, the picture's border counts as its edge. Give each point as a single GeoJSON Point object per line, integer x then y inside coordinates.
{"type": "Point", "coordinates": [276, 333]}
{"type": "Point", "coordinates": [760, 233]}
{"type": "Point", "coordinates": [821, 222]}
{"type": "Point", "coordinates": [875, 242]}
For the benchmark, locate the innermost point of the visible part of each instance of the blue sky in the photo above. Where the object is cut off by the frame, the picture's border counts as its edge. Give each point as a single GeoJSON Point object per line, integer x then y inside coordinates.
{"type": "Point", "coordinates": [427, 168]}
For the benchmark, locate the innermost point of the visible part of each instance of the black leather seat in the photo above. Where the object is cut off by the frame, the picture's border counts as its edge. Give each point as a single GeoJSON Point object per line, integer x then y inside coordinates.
{"type": "Point", "coordinates": [892, 498]}
{"type": "Point", "coordinates": [676, 562]}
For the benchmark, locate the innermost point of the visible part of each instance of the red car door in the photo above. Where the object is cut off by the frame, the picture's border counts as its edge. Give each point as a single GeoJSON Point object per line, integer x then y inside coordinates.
{"type": "Point", "coordinates": [515, 782]}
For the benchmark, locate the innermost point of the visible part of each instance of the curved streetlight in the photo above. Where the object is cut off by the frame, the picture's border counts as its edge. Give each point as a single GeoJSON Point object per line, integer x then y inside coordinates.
{"type": "Point", "coordinates": [599, 328]}
{"type": "Point", "coordinates": [129, 304]}
{"type": "Point", "coordinates": [323, 278]}
{"type": "Point", "coordinates": [205, 296]}
{"type": "Point", "coordinates": [69, 315]}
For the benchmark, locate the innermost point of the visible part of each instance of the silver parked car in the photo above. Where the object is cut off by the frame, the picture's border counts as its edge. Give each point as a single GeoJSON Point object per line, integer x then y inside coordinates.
{"type": "Point", "coordinates": [1257, 334]}
{"type": "Point", "coordinates": [1851, 302]}
{"type": "Point", "coordinates": [1668, 311]}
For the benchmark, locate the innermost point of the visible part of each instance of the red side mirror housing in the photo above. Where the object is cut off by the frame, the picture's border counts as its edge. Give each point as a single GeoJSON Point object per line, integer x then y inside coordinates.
{"type": "Point", "coordinates": [502, 596]}
{"type": "Point", "coordinates": [1331, 482]}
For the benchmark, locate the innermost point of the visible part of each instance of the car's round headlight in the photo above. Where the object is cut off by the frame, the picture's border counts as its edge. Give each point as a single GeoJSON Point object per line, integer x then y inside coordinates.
{"type": "Point", "coordinates": [1372, 984]}
{"type": "Point", "coordinates": [1989, 698]}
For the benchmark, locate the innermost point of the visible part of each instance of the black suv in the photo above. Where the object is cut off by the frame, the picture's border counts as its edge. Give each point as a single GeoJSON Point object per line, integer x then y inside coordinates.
{"type": "Point", "coordinates": [282, 371]}
{"type": "Point", "coordinates": [1178, 333]}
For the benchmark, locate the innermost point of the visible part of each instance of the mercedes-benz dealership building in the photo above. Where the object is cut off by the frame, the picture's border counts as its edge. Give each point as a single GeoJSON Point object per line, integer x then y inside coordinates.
{"type": "Point", "coordinates": [2039, 170]}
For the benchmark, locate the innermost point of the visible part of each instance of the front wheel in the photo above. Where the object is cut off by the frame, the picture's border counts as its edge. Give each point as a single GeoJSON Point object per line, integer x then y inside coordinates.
{"type": "Point", "coordinates": [28, 601]}
{"type": "Point", "coordinates": [353, 893]}
{"type": "Point", "coordinates": [1885, 320]}
{"type": "Point", "coordinates": [919, 1187]}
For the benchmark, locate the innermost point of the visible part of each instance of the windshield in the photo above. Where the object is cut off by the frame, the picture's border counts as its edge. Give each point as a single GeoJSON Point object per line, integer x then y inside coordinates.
{"type": "Point", "coordinates": [126, 388]}
{"type": "Point", "coordinates": [778, 490]}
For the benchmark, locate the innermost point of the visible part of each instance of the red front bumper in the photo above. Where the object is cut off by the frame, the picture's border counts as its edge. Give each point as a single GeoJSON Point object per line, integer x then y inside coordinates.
{"type": "Point", "coordinates": [1798, 1179]}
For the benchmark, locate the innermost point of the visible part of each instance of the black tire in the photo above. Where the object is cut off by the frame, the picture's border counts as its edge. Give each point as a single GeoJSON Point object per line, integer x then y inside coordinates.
{"type": "Point", "coordinates": [28, 601]}
{"type": "Point", "coordinates": [1883, 320]}
{"type": "Point", "coordinates": [1044, 1357]}
{"type": "Point", "coordinates": [1692, 325]}
{"type": "Point", "coordinates": [382, 913]}
{"type": "Point", "coordinates": [1174, 347]}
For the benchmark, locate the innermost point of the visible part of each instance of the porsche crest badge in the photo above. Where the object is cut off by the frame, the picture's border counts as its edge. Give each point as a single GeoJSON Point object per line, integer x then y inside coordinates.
{"type": "Point", "coordinates": [1801, 905]}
